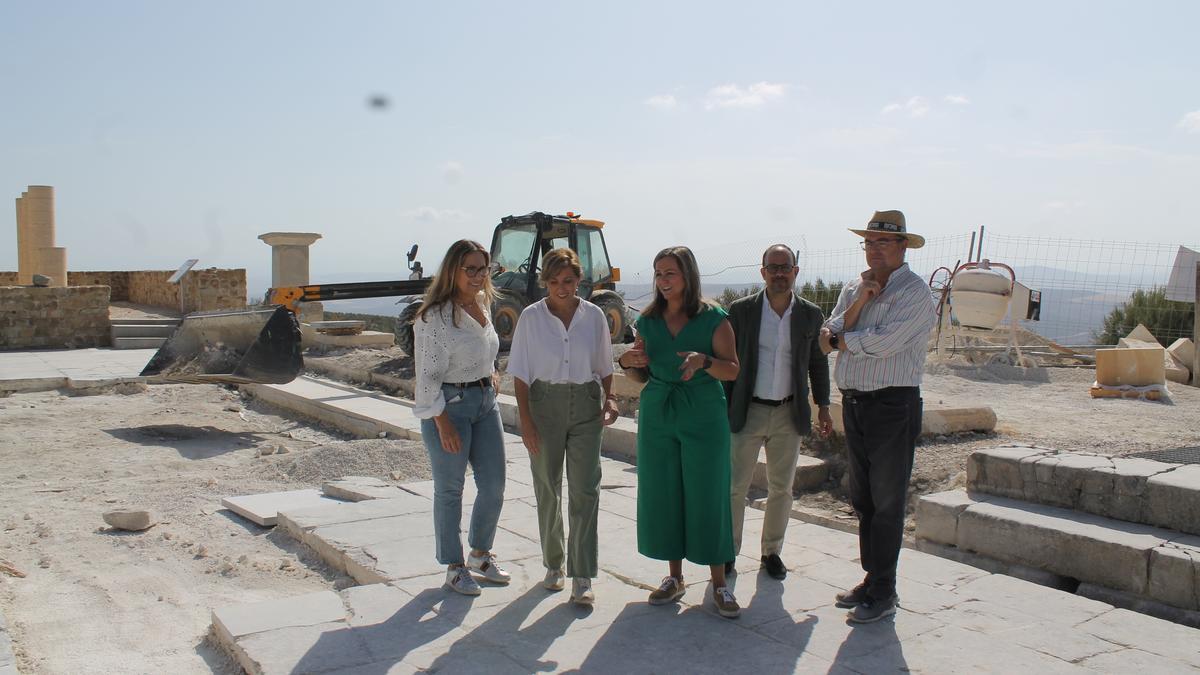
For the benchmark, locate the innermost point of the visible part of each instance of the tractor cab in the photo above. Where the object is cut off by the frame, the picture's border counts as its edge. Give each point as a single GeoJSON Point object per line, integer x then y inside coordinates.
{"type": "Point", "coordinates": [518, 244]}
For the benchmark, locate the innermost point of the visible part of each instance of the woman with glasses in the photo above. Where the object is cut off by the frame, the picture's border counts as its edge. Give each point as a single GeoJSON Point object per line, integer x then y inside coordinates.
{"type": "Point", "coordinates": [455, 353]}
{"type": "Point", "coordinates": [685, 347]}
{"type": "Point", "coordinates": [561, 363]}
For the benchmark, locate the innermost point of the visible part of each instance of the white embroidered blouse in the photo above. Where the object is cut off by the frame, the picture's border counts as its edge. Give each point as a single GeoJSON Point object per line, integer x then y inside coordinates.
{"type": "Point", "coordinates": [449, 353]}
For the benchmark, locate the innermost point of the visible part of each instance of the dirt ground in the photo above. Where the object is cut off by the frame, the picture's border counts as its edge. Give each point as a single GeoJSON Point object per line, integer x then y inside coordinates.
{"type": "Point", "coordinates": [97, 600]}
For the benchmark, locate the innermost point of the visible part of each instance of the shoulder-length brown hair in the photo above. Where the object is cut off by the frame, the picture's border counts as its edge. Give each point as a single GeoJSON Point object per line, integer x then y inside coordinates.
{"type": "Point", "coordinates": [559, 260]}
{"type": "Point", "coordinates": [693, 302]}
{"type": "Point", "coordinates": [441, 290]}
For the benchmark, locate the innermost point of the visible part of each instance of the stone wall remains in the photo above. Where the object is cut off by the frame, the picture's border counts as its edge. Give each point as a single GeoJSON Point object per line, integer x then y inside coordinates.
{"type": "Point", "coordinates": [203, 290]}
{"type": "Point", "coordinates": [73, 317]}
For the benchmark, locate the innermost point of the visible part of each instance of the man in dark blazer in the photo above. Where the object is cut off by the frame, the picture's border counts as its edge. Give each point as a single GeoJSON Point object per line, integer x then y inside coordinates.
{"type": "Point", "coordinates": [776, 332]}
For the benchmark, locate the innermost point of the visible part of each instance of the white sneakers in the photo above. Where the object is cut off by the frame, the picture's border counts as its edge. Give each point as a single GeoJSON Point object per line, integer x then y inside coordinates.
{"type": "Point", "coordinates": [581, 591]}
{"type": "Point", "coordinates": [486, 567]}
{"type": "Point", "coordinates": [554, 580]}
{"type": "Point", "coordinates": [459, 579]}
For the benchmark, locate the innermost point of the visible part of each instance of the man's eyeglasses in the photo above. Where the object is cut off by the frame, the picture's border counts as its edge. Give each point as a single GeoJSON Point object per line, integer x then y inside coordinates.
{"type": "Point", "coordinates": [880, 243]}
{"type": "Point", "coordinates": [778, 269]}
{"type": "Point", "coordinates": [475, 271]}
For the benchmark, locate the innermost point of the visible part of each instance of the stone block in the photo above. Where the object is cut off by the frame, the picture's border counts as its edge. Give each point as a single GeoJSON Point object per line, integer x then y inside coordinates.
{"type": "Point", "coordinates": [937, 515]}
{"type": "Point", "coordinates": [1083, 546]}
{"type": "Point", "coordinates": [360, 488]}
{"type": "Point", "coordinates": [997, 471]}
{"type": "Point", "coordinates": [1058, 479]}
{"type": "Point", "coordinates": [1175, 573]}
{"type": "Point", "coordinates": [1174, 499]}
{"type": "Point", "coordinates": [1134, 367]}
{"type": "Point", "coordinates": [1184, 350]}
{"type": "Point", "coordinates": [811, 472]}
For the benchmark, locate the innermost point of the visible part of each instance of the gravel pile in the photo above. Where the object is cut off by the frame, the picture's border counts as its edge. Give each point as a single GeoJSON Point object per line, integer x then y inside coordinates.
{"type": "Point", "coordinates": [379, 458]}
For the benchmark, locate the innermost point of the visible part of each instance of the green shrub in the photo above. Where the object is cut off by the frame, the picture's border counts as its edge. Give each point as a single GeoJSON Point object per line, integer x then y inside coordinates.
{"type": "Point", "coordinates": [1166, 319]}
{"type": "Point", "coordinates": [822, 296]}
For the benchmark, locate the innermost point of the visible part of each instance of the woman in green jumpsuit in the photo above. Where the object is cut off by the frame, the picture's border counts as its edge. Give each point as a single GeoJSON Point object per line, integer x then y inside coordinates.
{"type": "Point", "coordinates": [684, 347]}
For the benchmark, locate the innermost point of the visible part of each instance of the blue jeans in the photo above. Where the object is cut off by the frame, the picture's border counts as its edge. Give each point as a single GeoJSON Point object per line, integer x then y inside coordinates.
{"type": "Point", "coordinates": [475, 415]}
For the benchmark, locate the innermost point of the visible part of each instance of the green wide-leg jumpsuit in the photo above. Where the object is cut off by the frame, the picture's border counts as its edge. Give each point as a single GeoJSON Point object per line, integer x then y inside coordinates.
{"type": "Point", "coordinates": [683, 449]}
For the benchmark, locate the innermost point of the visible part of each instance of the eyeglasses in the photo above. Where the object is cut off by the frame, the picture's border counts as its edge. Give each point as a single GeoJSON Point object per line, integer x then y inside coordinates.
{"type": "Point", "coordinates": [475, 271]}
{"type": "Point", "coordinates": [778, 269]}
{"type": "Point", "coordinates": [880, 243]}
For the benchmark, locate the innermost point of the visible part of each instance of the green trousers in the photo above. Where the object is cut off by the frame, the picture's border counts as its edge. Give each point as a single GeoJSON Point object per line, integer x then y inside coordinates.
{"type": "Point", "coordinates": [569, 424]}
{"type": "Point", "coordinates": [683, 473]}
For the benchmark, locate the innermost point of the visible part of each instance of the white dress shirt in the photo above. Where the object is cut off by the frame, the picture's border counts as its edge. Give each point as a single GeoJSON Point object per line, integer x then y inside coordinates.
{"type": "Point", "coordinates": [543, 349]}
{"type": "Point", "coordinates": [773, 377]}
{"type": "Point", "coordinates": [449, 353]}
{"type": "Point", "coordinates": [886, 347]}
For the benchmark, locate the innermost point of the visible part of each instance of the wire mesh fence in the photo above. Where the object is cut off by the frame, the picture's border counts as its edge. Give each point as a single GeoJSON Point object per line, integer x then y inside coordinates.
{"type": "Point", "coordinates": [1092, 291]}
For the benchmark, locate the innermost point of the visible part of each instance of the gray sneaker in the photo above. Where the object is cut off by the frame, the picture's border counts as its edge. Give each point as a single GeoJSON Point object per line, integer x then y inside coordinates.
{"type": "Point", "coordinates": [581, 591]}
{"type": "Point", "coordinates": [670, 590]}
{"type": "Point", "coordinates": [554, 580]}
{"type": "Point", "coordinates": [486, 567]}
{"type": "Point", "coordinates": [459, 579]}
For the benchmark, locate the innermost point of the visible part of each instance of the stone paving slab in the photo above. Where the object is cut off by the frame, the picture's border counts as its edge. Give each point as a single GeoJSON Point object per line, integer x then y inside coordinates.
{"type": "Point", "coordinates": [8, 662]}
{"type": "Point", "coordinates": [263, 509]}
{"type": "Point", "coordinates": [44, 369]}
{"type": "Point", "coordinates": [952, 617]}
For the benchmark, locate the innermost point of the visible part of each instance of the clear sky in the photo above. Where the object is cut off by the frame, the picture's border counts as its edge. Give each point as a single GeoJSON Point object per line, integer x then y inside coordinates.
{"type": "Point", "coordinates": [174, 130]}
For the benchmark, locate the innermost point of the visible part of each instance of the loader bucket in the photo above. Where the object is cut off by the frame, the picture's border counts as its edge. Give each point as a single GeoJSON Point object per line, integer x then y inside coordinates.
{"type": "Point", "coordinates": [232, 346]}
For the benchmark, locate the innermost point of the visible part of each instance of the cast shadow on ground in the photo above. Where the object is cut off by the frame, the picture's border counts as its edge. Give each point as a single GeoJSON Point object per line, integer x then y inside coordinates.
{"type": "Point", "coordinates": [191, 442]}
{"type": "Point", "coordinates": [376, 648]}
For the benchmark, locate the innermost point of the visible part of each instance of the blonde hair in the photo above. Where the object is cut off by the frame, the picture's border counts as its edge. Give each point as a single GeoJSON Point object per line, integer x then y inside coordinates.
{"type": "Point", "coordinates": [557, 261]}
{"type": "Point", "coordinates": [442, 289]}
{"type": "Point", "coordinates": [693, 302]}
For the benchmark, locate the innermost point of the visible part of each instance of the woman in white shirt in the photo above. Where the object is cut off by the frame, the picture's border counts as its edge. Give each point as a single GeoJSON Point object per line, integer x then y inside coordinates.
{"type": "Point", "coordinates": [561, 363]}
{"type": "Point", "coordinates": [456, 346]}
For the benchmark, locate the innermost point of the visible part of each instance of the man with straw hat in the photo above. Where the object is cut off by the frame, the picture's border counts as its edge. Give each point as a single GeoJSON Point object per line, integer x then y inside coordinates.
{"type": "Point", "coordinates": [879, 328]}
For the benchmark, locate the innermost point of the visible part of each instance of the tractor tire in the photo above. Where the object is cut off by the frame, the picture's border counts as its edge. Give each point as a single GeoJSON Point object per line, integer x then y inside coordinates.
{"type": "Point", "coordinates": [617, 315]}
{"type": "Point", "coordinates": [404, 327]}
{"type": "Point", "coordinates": [505, 314]}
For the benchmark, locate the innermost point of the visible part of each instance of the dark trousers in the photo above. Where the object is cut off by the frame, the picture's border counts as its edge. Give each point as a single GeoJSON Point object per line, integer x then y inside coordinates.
{"type": "Point", "coordinates": [882, 427]}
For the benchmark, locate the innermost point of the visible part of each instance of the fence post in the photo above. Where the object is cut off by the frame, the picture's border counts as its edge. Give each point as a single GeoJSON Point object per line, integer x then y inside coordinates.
{"type": "Point", "coordinates": [1196, 331]}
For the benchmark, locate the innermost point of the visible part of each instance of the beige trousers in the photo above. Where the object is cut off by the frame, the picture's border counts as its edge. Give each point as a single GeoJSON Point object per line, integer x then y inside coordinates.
{"type": "Point", "coordinates": [770, 427]}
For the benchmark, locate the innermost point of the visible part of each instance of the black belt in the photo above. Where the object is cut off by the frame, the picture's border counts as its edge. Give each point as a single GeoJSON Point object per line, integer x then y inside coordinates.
{"type": "Point", "coordinates": [770, 401]}
{"type": "Point", "coordinates": [482, 383]}
{"type": "Point", "coordinates": [875, 393]}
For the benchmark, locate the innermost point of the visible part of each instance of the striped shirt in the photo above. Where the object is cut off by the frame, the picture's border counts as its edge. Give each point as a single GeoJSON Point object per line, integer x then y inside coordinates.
{"type": "Point", "coordinates": [886, 346]}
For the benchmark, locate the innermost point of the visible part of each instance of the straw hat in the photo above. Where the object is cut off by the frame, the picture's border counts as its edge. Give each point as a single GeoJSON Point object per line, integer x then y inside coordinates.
{"type": "Point", "coordinates": [891, 222]}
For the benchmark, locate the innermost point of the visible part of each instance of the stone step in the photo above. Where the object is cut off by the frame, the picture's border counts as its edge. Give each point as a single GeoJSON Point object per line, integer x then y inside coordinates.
{"type": "Point", "coordinates": [1125, 488]}
{"type": "Point", "coordinates": [325, 401]}
{"type": "Point", "coordinates": [144, 330]}
{"type": "Point", "coordinates": [1147, 561]}
{"type": "Point", "coordinates": [145, 322]}
{"type": "Point", "coordinates": [138, 342]}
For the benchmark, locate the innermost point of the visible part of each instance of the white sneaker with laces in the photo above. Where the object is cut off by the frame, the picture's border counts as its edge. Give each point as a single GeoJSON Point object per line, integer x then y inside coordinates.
{"type": "Point", "coordinates": [581, 591]}
{"type": "Point", "coordinates": [554, 580]}
{"type": "Point", "coordinates": [458, 579]}
{"type": "Point", "coordinates": [486, 567]}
